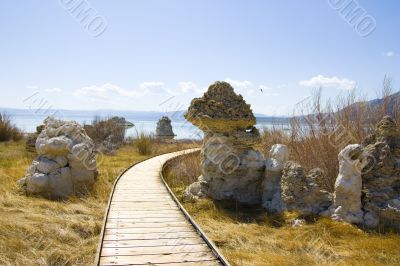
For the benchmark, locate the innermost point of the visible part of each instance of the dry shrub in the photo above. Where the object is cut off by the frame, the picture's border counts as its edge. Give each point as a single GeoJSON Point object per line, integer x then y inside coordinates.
{"type": "Point", "coordinates": [320, 130]}
{"type": "Point", "coordinates": [144, 143]}
{"type": "Point", "coordinates": [182, 171]}
{"type": "Point", "coordinates": [8, 131]}
{"type": "Point", "coordinates": [106, 130]}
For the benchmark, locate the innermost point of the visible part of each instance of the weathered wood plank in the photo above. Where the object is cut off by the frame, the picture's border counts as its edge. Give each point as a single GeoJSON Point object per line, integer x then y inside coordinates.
{"type": "Point", "coordinates": [154, 250]}
{"type": "Point", "coordinates": [149, 230]}
{"type": "Point", "coordinates": [115, 224]}
{"type": "Point", "coordinates": [159, 258]}
{"type": "Point", "coordinates": [126, 215]}
{"type": "Point", "coordinates": [146, 236]}
{"type": "Point", "coordinates": [152, 243]}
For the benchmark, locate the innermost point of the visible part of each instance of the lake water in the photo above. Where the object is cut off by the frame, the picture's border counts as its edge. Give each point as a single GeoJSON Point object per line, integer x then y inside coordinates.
{"type": "Point", "coordinates": [28, 120]}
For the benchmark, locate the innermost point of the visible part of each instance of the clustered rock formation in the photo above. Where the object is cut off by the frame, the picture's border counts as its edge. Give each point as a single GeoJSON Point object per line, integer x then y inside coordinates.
{"type": "Point", "coordinates": [66, 163]}
{"type": "Point", "coordinates": [367, 188]}
{"type": "Point", "coordinates": [164, 128]}
{"type": "Point", "coordinates": [230, 166]}
{"type": "Point", "coordinates": [381, 185]}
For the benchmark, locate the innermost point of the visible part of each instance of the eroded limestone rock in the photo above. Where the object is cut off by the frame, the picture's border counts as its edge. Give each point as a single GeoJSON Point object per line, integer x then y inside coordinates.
{"type": "Point", "coordinates": [271, 199]}
{"type": "Point", "coordinates": [347, 197]}
{"type": "Point", "coordinates": [197, 190]}
{"type": "Point", "coordinates": [230, 166]}
{"type": "Point", "coordinates": [220, 110]}
{"type": "Point", "coordinates": [164, 128]}
{"type": "Point", "coordinates": [381, 179]}
{"type": "Point", "coordinates": [303, 193]}
{"type": "Point", "coordinates": [66, 164]}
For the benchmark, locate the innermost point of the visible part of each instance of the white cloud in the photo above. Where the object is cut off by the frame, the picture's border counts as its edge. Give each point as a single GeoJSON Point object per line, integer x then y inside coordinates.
{"type": "Point", "coordinates": [153, 87]}
{"type": "Point", "coordinates": [244, 86]}
{"type": "Point", "coordinates": [333, 82]}
{"type": "Point", "coordinates": [390, 54]}
{"type": "Point", "coordinates": [106, 92]}
{"type": "Point", "coordinates": [187, 87]}
{"type": "Point", "coordinates": [53, 90]}
{"type": "Point", "coordinates": [239, 84]}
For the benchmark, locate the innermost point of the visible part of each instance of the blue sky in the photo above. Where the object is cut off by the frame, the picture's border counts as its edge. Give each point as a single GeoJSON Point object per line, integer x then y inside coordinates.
{"type": "Point", "coordinates": [149, 52]}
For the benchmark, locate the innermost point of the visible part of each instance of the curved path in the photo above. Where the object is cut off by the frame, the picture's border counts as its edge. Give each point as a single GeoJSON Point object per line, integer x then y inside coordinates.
{"type": "Point", "coordinates": [146, 225]}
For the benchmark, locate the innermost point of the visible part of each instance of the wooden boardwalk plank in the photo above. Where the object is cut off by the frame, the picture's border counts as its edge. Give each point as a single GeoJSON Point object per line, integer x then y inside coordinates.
{"type": "Point", "coordinates": [159, 258]}
{"type": "Point", "coordinates": [154, 250]}
{"type": "Point", "coordinates": [145, 226]}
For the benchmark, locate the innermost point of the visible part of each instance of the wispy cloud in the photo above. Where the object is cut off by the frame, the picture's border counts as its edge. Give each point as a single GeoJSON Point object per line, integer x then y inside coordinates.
{"type": "Point", "coordinates": [390, 54]}
{"type": "Point", "coordinates": [106, 92]}
{"type": "Point", "coordinates": [51, 90]}
{"type": "Point", "coordinates": [187, 87]}
{"type": "Point", "coordinates": [332, 82]}
{"type": "Point", "coordinates": [249, 88]}
{"type": "Point", "coordinates": [156, 87]}
{"type": "Point", "coordinates": [241, 86]}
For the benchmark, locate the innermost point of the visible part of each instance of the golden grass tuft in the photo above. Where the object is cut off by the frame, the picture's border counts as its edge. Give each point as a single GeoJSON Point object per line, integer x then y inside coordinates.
{"type": "Point", "coordinates": [36, 231]}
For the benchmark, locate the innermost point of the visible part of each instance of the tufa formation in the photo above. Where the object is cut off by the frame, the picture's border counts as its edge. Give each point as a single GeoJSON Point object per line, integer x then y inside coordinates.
{"type": "Point", "coordinates": [66, 163]}
{"type": "Point", "coordinates": [230, 166]}
{"type": "Point", "coordinates": [164, 128]}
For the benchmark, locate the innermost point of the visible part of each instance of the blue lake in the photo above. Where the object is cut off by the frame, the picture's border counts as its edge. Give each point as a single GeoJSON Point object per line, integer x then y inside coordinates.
{"type": "Point", "coordinates": [28, 120]}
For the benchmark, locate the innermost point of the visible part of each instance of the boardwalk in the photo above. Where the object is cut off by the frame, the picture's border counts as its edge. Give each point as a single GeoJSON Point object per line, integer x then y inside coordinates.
{"type": "Point", "coordinates": [146, 226]}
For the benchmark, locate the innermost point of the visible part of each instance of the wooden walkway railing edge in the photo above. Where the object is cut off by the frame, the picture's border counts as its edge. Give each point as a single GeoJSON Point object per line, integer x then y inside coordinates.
{"type": "Point", "coordinates": [208, 241]}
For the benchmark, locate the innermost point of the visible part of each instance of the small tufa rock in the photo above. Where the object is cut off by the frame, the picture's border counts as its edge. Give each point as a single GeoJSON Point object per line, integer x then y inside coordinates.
{"type": "Point", "coordinates": [271, 199]}
{"type": "Point", "coordinates": [66, 165]}
{"type": "Point", "coordinates": [164, 128]}
{"type": "Point", "coordinates": [381, 179]}
{"type": "Point", "coordinates": [220, 110]}
{"type": "Point", "coordinates": [301, 192]}
{"type": "Point", "coordinates": [298, 223]}
{"type": "Point", "coordinates": [197, 190]}
{"type": "Point", "coordinates": [347, 196]}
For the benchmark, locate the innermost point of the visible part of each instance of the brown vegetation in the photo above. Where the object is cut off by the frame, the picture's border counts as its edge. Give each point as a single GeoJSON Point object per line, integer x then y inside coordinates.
{"type": "Point", "coordinates": [144, 143]}
{"type": "Point", "coordinates": [106, 130]}
{"type": "Point", "coordinates": [316, 140]}
{"type": "Point", "coordinates": [7, 130]}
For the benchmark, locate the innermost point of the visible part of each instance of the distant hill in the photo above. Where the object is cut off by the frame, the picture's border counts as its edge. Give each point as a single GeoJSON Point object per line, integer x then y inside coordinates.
{"type": "Point", "coordinates": [393, 102]}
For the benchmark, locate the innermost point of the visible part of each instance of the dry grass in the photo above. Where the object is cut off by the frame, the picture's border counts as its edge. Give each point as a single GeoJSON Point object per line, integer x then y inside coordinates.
{"type": "Point", "coordinates": [8, 131]}
{"type": "Point", "coordinates": [249, 236]}
{"type": "Point", "coordinates": [144, 143]}
{"type": "Point", "coordinates": [36, 231]}
{"type": "Point", "coordinates": [316, 140]}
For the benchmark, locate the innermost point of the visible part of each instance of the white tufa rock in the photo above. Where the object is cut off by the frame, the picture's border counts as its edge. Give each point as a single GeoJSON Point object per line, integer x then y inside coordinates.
{"type": "Point", "coordinates": [271, 199]}
{"type": "Point", "coordinates": [66, 165]}
{"type": "Point", "coordinates": [298, 223]}
{"type": "Point", "coordinates": [347, 196]}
